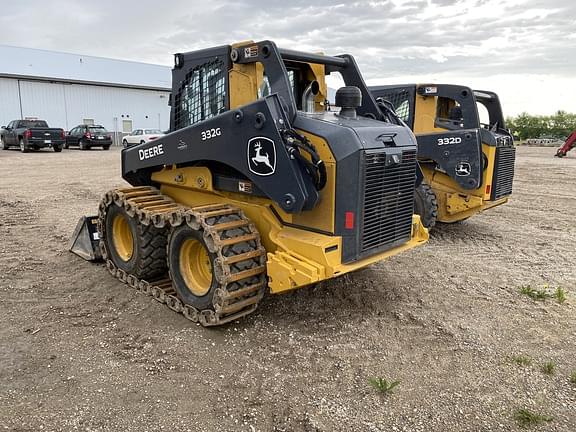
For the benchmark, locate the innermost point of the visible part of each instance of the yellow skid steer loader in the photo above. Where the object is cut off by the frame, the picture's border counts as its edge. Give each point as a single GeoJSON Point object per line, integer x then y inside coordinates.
{"type": "Point", "coordinates": [468, 166]}
{"type": "Point", "coordinates": [257, 188]}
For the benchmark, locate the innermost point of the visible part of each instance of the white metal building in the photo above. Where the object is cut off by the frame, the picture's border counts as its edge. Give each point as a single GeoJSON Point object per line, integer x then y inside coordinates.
{"type": "Point", "coordinates": [70, 89]}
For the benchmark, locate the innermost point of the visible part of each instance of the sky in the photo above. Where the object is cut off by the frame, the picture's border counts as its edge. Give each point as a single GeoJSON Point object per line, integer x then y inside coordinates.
{"type": "Point", "coordinates": [524, 50]}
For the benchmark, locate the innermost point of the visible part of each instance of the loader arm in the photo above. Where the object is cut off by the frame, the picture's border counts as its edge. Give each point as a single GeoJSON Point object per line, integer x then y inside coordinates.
{"type": "Point", "coordinates": [456, 153]}
{"type": "Point", "coordinates": [210, 140]}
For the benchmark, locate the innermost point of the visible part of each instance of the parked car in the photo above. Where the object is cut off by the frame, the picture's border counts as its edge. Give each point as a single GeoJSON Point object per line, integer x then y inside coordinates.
{"type": "Point", "coordinates": [31, 135]}
{"type": "Point", "coordinates": [88, 136]}
{"type": "Point", "coordinates": [140, 136]}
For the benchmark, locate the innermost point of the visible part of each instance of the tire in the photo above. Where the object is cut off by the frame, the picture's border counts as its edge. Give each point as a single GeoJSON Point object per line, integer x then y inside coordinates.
{"type": "Point", "coordinates": [205, 300]}
{"type": "Point", "coordinates": [106, 147]}
{"type": "Point", "coordinates": [125, 143]}
{"type": "Point", "coordinates": [426, 205]}
{"type": "Point", "coordinates": [200, 296]}
{"type": "Point", "coordinates": [57, 149]}
{"type": "Point", "coordinates": [4, 145]}
{"type": "Point", "coordinates": [83, 146]}
{"type": "Point", "coordinates": [23, 147]}
{"type": "Point", "coordinates": [148, 244]}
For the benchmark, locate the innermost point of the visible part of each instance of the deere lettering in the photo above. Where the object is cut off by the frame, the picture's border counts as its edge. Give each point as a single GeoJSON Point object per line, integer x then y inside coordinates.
{"type": "Point", "coordinates": [151, 152]}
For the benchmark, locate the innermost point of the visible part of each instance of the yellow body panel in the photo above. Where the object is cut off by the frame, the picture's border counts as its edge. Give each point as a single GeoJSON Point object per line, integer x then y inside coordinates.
{"type": "Point", "coordinates": [244, 80]}
{"type": "Point", "coordinates": [490, 153]}
{"type": "Point", "coordinates": [318, 72]}
{"type": "Point", "coordinates": [454, 202]}
{"type": "Point", "coordinates": [243, 84]}
{"type": "Point", "coordinates": [424, 115]}
{"type": "Point", "coordinates": [322, 217]}
{"type": "Point", "coordinates": [457, 203]}
{"type": "Point", "coordinates": [296, 257]}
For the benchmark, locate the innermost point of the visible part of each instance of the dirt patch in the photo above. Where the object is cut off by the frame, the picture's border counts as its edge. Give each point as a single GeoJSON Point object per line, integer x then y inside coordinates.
{"type": "Point", "coordinates": [81, 351]}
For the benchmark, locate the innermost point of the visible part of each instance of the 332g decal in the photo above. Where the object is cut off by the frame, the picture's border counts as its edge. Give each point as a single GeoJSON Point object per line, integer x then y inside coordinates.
{"type": "Point", "coordinates": [210, 133]}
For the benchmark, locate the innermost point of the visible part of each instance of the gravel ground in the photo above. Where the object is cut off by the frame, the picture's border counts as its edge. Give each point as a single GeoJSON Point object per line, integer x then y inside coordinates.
{"type": "Point", "coordinates": [81, 351]}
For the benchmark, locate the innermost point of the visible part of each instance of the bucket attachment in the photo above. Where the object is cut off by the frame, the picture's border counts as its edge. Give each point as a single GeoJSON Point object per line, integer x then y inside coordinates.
{"type": "Point", "coordinates": [84, 241]}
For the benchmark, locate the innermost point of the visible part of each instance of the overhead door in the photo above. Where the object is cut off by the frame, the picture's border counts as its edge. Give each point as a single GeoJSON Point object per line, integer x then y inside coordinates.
{"type": "Point", "coordinates": [9, 101]}
{"type": "Point", "coordinates": [44, 101]}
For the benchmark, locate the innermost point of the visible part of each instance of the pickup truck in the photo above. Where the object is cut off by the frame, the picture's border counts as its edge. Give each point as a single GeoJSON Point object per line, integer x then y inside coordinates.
{"type": "Point", "coordinates": [31, 135]}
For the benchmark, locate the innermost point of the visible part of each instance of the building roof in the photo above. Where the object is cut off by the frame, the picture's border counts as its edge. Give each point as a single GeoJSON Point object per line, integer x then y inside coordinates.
{"type": "Point", "coordinates": [59, 66]}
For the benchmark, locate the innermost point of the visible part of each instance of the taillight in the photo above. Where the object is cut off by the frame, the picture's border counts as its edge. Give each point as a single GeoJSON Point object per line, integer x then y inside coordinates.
{"type": "Point", "coordinates": [27, 133]}
{"type": "Point", "coordinates": [152, 138]}
{"type": "Point", "coordinates": [349, 220]}
{"type": "Point", "coordinates": [63, 134]}
{"type": "Point", "coordinates": [488, 189]}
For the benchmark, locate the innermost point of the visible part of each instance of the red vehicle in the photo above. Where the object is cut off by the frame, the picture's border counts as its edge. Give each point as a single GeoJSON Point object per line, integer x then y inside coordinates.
{"type": "Point", "coordinates": [568, 145]}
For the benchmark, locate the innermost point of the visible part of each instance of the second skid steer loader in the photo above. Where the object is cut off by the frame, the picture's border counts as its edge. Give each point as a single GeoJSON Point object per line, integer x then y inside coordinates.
{"type": "Point", "coordinates": [468, 166]}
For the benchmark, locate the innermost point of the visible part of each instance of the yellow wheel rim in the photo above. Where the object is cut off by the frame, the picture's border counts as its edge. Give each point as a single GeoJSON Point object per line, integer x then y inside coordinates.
{"type": "Point", "coordinates": [195, 267]}
{"type": "Point", "coordinates": [122, 237]}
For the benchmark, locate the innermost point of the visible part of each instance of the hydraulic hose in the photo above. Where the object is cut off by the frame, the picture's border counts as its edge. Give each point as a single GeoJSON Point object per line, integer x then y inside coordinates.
{"type": "Point", "coordinates": [314, 167]}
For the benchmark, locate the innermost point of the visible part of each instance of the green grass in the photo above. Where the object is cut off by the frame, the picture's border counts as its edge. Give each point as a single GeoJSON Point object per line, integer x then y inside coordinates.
{"type": "Point", "coordinates": [560, 295]}
{"type": "Point", "coordinates": [526, 418]}
{"type": "Point", "coordinates": [549, 368]}
{"type": "Point", "coordinates": [383, 386]}
{"type": "Point", "coordinates": [542, 294]}
{"type": "Point", "coordinates": [522, 360]}
{"type": "Point", "coordinates": [534, 294]}
{"type": "Point", "coordinates": [573, 377]}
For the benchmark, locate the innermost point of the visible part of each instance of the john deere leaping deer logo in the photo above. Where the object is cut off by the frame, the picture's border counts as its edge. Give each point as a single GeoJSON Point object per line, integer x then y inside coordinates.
{"type": "Point", "coordinates": [261, 156]}
{"type": "Point", "coordinates": [463, 169]}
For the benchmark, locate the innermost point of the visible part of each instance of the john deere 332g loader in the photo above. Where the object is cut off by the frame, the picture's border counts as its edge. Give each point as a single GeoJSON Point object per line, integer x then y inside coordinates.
{"type": "Point", "coordinates": [257, 188]}
{"type": "Point", "coordinates": [468, 166]}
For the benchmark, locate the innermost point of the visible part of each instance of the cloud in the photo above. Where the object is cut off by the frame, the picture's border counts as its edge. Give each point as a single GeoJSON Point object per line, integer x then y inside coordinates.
{"type": "Point", "coordinates": [466, 40]}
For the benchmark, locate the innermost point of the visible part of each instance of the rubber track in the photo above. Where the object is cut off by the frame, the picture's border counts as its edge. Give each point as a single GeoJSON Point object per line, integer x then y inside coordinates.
{"type": "Point", "coordinates": [240, 266]}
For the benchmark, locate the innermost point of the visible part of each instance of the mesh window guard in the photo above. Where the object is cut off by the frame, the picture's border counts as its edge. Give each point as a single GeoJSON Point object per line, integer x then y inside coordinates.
{"type": "Point", "coordinates": [202, 94]}
{"type": "Point", "coordinates": [401, 102]}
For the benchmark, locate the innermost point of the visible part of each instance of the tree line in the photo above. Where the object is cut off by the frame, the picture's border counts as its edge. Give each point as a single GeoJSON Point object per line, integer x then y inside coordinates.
{"type": "Point", "coordinates": [559, 125]}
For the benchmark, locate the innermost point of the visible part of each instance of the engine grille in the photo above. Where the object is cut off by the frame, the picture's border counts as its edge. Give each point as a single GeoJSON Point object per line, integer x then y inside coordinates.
{"type": "Point", "coordinates": [388, 201]}
{"type": "Point", "coordinates": [503, 172]}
